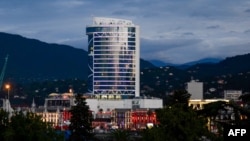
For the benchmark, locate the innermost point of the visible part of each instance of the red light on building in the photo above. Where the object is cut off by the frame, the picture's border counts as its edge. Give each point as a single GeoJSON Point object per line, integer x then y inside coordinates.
{"type": "Point", "coordinates": [140, 119]}
{"type": "Point", "coordinates": [66, 115]}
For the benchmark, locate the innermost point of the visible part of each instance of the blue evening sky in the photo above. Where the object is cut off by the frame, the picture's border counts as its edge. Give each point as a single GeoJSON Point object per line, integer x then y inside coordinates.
{"type": "Point", "coordinates": [175, 31]}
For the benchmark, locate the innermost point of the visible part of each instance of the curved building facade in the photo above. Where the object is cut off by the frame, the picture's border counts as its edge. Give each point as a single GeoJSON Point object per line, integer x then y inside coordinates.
{"type": "Point", "coordinates": [114, 58]}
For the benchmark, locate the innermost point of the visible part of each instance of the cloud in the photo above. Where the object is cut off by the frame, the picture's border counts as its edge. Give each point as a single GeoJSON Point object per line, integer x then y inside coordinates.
{"type": "Point", "coordinates": [213, 27]}
{"type": "Point", "coordinates": [188, 34]}
{"type": "Point", "coordinates": [176, 31]}
{"type": "Point", "coordinates": [247, 10]}
{"type": "Point", "coordinates": [122, 13]}
{"type": "Point", "coordinates": [75, 42]}
{"type": "Point", "coordinates": [164, 49]}
{"type": "Point", "coordinates": [247, 31]}
{"type": "Point", "coordinates": [69, 4]}
{"type": "Point", "coordinates": [229, 50]}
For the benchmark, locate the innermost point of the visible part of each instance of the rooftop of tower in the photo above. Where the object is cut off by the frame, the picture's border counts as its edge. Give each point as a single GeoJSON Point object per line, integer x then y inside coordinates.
{"type": "Point", "coordinates": [111, 21]}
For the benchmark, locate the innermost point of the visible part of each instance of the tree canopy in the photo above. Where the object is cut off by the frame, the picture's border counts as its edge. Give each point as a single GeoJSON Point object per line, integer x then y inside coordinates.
{"type": "Point", "coordinates": [177, 121]}
{"type": "Point", "coordinates": [81, 120]}
{"type": "Point", "coordinates": [26, 126]}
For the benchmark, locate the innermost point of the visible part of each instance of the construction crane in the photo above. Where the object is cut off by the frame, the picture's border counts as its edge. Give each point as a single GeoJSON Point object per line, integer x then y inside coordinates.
{"type": "Point", "coordinates": [3, 70]}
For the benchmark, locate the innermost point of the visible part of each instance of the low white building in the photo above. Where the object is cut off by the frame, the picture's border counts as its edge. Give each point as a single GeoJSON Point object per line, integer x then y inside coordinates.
{"type": "Point", "coordinates": [107, 104]}
{"type": "Point", "coordinates": [55, 104]}
{"type": "Point", "coordinates": [195, 88]}
{"type": "Point", "coordinates": [232, 94]}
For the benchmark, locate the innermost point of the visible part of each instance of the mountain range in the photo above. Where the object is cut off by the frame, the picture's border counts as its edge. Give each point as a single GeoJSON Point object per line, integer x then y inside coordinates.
{"type": "Point", "coordinates": [159, 63]}
{"type": "Point", "coordinates": [31, 60]}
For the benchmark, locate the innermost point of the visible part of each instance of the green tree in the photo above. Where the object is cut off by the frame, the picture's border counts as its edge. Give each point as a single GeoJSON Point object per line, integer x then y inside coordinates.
{"type": "Point", "coordinates": [154, 134]}
{"type": "Point", "coordinates": [181, 123]}
{"type": "Point", "coordinates": [4, 120]}
{"type": "Point", "coordinates": [178, 122]}
{"type": "Point", "coordinates": [178, 96]}
{"type": "Point", "coordinates": [120, 135]}
{"type": "Point", "coordinates": [245, 98]}
{"type": "Point", "coordinates": [29, 127]}
{"type": "Point", "coordinates": [81, 120]}
{"type": "Point", "coordinates": [214, 110]}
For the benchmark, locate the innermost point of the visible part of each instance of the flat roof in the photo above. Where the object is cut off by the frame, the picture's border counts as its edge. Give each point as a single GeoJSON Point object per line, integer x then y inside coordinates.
{"type": "Point", "coordinates": [111, 21]}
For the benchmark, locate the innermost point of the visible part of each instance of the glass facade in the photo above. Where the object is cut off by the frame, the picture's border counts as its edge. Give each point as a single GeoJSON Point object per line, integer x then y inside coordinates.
{"type": "Point", "coordinates": [113, 49]}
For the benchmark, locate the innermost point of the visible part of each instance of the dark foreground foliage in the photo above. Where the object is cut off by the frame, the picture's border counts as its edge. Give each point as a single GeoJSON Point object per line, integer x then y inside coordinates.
{"type": "Point", "coordinates": [26, 126]}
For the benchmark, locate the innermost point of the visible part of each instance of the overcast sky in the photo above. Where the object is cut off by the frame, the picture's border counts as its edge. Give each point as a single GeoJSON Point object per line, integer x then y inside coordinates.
{"type": "Point", "coordinates": [176, 31]}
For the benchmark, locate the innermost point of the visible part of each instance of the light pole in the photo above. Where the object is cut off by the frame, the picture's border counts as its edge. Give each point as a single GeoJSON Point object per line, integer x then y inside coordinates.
{"type": "Point", "coordinates": [7, 86]}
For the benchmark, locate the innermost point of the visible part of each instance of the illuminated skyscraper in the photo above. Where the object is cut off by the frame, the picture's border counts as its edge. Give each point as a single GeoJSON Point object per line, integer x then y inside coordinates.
{"type": "Point", "coordinates": [114, 58]}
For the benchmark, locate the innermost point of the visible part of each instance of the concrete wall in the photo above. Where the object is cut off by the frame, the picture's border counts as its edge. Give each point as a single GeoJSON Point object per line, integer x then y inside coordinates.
{"type": "Point", "coordinates": [105, 105]}
{"type": "Point", "coordinates": [195, 89]}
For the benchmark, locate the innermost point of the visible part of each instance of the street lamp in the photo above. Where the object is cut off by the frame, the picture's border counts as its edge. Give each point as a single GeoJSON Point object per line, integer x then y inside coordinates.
{"type": "Point", "coordinates": [7, 86]}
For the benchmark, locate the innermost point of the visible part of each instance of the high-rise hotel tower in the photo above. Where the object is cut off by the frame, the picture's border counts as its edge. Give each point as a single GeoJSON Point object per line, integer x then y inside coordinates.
{"type": "Point", "coordinates": [114, 58]}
